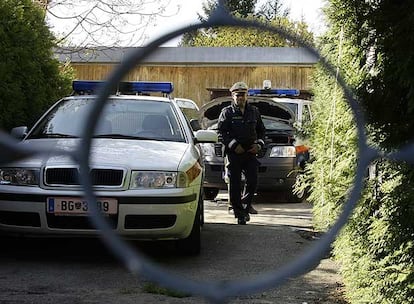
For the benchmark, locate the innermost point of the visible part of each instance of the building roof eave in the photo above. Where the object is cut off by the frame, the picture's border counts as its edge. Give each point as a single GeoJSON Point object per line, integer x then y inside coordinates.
{"type": "Point", "coordinates": [193, 56]}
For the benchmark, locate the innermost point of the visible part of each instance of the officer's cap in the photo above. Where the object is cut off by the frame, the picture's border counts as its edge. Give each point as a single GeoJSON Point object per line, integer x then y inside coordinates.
{"type": "Point", "coordinates": [239, 87]}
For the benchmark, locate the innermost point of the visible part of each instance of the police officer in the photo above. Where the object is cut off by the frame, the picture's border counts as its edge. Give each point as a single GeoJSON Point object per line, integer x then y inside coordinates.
{"type": "Point", "coordinates": [241, 128]}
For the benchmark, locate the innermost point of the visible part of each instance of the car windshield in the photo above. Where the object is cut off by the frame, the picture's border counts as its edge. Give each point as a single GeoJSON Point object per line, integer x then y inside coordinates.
{"type": "Point", "coordinates": [292, 106]}
{"type": "Point", "coordinates": [122, 118]}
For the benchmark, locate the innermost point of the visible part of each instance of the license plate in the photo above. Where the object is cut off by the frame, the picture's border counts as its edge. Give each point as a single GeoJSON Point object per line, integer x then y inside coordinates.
{"type": "Point", "coordinates": [77, 206]}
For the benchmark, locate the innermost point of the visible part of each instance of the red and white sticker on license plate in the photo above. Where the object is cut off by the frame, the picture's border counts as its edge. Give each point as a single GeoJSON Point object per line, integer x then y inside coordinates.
{"type": "Point", "coordinates": [77, 206]}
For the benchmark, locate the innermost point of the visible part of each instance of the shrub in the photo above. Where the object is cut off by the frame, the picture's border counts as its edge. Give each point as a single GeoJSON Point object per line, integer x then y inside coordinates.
{"type": "Point", "coordinates": [31, 79]}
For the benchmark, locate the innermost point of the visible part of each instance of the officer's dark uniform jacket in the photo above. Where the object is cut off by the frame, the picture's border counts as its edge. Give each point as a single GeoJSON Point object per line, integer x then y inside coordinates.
{"type": "Point", "coordinates": [237, 128]}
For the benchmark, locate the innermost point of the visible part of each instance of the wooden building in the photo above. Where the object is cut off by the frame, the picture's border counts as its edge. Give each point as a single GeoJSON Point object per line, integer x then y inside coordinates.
{"type": "Point", "coordinates": [198, 72]}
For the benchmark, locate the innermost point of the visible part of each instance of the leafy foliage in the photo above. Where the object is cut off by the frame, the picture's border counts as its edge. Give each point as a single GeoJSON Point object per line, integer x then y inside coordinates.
{"type": "Point", "coordinates": [236, 36]}
{"type": "Point", "coordinates": [273, 9]}
{"type": "Point", "coordinates": [272, 13]}
{"type": "Point", "coordinates": [375, 250]}
{"type": "Point", "coordinates": [31, 78]}
{"type": "Point", "coordinates": [242, 7]}
{"type": "Point", "coordinates": [333, 142]}
{"type": "Point", "coordinates": [389, 88]}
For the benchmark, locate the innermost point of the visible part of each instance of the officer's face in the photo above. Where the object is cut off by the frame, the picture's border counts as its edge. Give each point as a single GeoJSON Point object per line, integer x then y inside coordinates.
{"type": "Point", "coordinates": [240, 98]}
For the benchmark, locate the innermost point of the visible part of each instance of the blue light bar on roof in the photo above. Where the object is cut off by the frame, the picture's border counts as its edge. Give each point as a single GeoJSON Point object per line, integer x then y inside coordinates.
{"type": "Point", "coordinates": [125, 87]}
{"type": "Point", "coordinates": [86, 86]}
{"type": "Point", "coordinates": [276, 92]}
{"type": "Point", "coordinates": [146, 87]}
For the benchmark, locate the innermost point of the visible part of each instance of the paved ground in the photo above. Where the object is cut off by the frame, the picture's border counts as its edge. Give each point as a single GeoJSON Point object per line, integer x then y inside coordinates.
{"type": "Point", "coordinates": [85, 272]}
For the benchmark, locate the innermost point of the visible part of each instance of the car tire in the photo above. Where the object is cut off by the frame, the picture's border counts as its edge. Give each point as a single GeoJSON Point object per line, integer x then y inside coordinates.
{"type": "Point", "coordinates": [191, 245]}
{"type": "Point", "coordinates": [210, 193]}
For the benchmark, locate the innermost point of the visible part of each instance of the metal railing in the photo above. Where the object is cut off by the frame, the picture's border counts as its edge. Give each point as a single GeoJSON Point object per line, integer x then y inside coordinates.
{"type": "Point", "coordinates": [135, 262]}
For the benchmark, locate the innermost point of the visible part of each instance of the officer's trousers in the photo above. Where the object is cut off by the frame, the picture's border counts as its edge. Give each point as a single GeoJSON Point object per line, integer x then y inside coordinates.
{"type": "Point", "coordinates": [236, 164]}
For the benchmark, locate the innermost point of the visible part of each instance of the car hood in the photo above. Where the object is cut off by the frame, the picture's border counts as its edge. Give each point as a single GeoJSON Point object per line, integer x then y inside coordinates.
{"type": "Point", "coordinates": [209, 113]}
{"type": "Point", "coordinates": [135, 154]}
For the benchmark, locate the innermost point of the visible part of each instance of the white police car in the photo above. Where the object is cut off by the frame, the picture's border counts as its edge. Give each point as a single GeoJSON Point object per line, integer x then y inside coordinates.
{"type": "Point", "coordinates": [146, 169]}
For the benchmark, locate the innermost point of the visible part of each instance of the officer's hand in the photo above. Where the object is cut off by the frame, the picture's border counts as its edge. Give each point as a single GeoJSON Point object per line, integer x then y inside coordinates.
{"type": "Point", "coordinates": [254, 149]}
{"type": "Point", "coordinates": [239, 149]}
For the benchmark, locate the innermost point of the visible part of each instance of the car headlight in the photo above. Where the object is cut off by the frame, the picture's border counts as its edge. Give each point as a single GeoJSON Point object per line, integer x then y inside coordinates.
{"type": "Point", "coordinates": [19, 176]}
{"type": "Point", "coordinates": [283, 151]}
{"type": "Point", "coordinates": [153, 179]}
{"type": "Point", "coordinates": [164, 180]}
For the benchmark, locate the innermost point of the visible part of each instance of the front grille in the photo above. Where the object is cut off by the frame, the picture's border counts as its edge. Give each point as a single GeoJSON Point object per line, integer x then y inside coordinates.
{"type": "Point", "coordinates": [77, 222]}
{"type": "Point", "coordinates": [149, 221]}
{"type": "Point", "coordinates": [29, 219]}
{"type": "Point", "coordinates": [217, 168]}
{"type": "Point", "coordinates": [106, 177]}
{"type": "Point", "coordinates": [262, 169]}
{"type": "Point", "coordinates": [62, 176]}
{"type": "Point", "coordinates": [70, 176]}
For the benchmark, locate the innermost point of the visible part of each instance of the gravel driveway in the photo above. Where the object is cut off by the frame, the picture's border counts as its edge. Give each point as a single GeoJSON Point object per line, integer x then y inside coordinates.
{"type": "Point", "coordinates": [84, 271]}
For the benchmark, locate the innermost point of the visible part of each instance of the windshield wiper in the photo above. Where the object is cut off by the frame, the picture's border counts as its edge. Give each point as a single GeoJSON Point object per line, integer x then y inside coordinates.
{"type": "Point", "coordinates": [123, 136]}
{"type": "Point", "coordinates": [53, 135]}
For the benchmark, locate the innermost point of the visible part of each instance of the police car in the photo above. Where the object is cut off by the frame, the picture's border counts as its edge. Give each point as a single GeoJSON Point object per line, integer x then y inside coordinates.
{"type": "Point", "coordinates": [283, 156]}
{"type": "Point", "coordinates": [146, 169]}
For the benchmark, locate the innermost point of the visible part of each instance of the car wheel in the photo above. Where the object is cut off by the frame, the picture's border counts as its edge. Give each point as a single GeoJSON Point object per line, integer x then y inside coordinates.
{"type": "Point", "coordinates": [191, 245]}
{"type": "Point", "coordinates": [210, 193]}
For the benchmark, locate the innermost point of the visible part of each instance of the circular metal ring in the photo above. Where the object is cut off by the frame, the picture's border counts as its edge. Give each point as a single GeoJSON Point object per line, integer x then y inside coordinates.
{"type": "Point", "coordinates": [219, 291]}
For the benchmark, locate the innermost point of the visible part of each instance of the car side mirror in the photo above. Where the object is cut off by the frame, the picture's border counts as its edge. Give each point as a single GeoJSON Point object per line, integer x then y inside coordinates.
{"type": "Point", "coordinates": [205, 136]}
{"type": "Point", "coordinates": [195, 124]}
{"type": "Point", "coordinates": [19, 132]}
